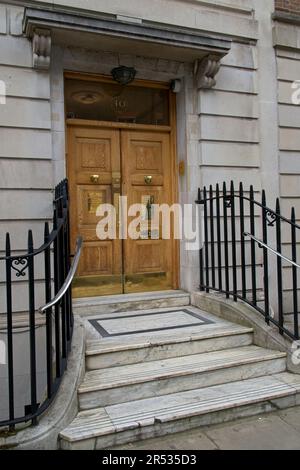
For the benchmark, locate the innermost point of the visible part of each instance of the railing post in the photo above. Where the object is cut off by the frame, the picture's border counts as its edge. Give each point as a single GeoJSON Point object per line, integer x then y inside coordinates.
{"type": "Point", "coordinates": [201, 262]}
{"type": "Point", "coordinates": [56, 289]}
{"type": "Point", "coordinates": [226, 241]}
{"type": "Point", "coordinates": [206, 239]}
{"type": "Point", "coordinates": [295, 274]}
{"type": "Point", "coordinates": [253, 251]}
{"type": "Point", "coordinates": [212, 236]}
{"type": "Point", "coordinates": [10, 353]}
{"type": "Point", "coordinates": [62, 276]}
{"type": "Point", "coordinates": [279, 268]}
{"type": "Point", "coordinates": [219, 241]}
{"type": "Point", "coordinates": [233, 240]}
{"type": "Point", "coordinates": [32, 339]}
{"type": "Point", "coordinates": [266, 258]}
{"type": "Point", "coordinates": [66, 270]}
{"type": "Point", "coordinates": [242, 231]}
{"type": "Point", "coordinates": [49, 312]}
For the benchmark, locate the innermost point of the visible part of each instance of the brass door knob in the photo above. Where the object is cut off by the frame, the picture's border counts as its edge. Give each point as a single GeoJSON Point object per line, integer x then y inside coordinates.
{"type": "Point", "coordinates": [148, 179]}
{"type": "Point", "coordinates": [94, 178]}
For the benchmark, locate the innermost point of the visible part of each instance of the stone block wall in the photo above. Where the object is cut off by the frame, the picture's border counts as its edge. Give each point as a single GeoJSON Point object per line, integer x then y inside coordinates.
{"type": "Point", "coordinates": [286, 42]}
{"type": "Point", "coordinates": [290, 6]}
{"type": "Point", "coordinates": [26, 175]}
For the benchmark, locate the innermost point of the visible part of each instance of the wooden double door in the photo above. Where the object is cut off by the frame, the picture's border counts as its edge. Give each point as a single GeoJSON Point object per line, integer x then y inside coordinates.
{"type": "Point", "coordinates": [120, 167]}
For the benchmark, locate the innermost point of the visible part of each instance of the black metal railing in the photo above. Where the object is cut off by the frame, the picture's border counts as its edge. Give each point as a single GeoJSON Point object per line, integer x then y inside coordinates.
{"type": "Point", "coordinates": [45, 339]}
{"type": "Point", "coordinates": [249, 252]}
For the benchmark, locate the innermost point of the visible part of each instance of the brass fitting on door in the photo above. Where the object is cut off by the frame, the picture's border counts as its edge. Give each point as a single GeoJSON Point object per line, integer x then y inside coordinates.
{"type": "Point", "coordinates": [94, 178]}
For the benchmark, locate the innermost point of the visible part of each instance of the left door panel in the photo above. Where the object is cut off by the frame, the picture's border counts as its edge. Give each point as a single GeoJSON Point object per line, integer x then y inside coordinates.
{"type": "Point", "coordinates": [94, 172]}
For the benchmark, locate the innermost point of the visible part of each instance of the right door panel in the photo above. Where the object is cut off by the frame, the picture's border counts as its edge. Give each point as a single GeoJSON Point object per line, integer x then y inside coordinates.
{"type": "Point", "coordinates": [147, 180]}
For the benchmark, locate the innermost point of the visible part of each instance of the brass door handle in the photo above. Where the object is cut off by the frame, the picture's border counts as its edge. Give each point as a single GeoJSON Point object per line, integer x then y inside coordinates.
{"type": "Point", "coordinates": [148, 179]}
{"type": "Point", "coordinates": [94, 178]}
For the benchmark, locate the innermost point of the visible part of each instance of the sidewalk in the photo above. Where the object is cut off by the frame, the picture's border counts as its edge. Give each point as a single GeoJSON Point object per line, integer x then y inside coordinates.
{"type": "Point", "coordinates": [275, 431]}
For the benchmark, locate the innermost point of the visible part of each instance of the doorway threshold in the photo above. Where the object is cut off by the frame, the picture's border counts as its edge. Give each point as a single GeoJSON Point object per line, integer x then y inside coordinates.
{"type": "Point", "coordinates": [124, 302]}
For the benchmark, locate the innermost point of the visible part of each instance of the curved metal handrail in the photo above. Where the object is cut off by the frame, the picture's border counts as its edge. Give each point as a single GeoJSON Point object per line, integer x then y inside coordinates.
{"type": "Point", "coordinates": [202, 200]}
{"type": "Point", "coordinates": [262, 244]}
{"type": "Point", "coordinates": [68, 280]}
{"type": "Point", "coordinates": [44, 246]}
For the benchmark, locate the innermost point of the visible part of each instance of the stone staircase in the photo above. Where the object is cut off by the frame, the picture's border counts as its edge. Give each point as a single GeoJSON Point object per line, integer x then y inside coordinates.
{"type": "Point", "coordinates": [154, 381]}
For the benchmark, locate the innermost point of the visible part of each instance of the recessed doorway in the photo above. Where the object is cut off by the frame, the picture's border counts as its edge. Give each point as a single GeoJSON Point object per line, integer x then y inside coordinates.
{"type": "Point", "coordinates": [113, 150]}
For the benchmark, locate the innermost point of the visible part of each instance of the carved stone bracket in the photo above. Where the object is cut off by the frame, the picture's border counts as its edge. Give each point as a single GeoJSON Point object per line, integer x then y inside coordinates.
{"type": "Point", "coordinates": [206, 71]}
{"type": "Point", "coordinates": [41, 49]}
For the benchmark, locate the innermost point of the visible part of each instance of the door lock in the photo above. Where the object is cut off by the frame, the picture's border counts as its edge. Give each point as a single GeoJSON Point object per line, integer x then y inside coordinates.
{"type": "Point", "coordinates": [148, 179]}
{"type": "Point", "coordinates": [94, 178]}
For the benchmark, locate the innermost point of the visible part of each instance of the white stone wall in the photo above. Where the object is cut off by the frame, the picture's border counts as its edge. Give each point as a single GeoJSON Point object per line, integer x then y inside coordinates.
{"type": "Point", "coordinates": [26, 177]}
{"type": "Point", "coordinates": [234, 127]}
{"type": "Point", "coordinates": [231, 17]}
{"type": "Point", "coordinates": [228, 124]}
{"type": "Point", "coordinates": [287, 43]}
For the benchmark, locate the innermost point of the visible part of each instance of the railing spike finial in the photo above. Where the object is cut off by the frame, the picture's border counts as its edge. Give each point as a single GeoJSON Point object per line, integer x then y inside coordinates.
{"type": "Point", "coordinates": [30, 240]}
{"type": "Point", "coordinates": [199, 195]}
{"type": "Point", "coordinates": [55, 219]}
{"type": "Point", "coordinates": [278, 206]}
{"type": "Point", "coordinates": [263, 198]}
{"type": "Point", "coordinates": [279, 268]}
{"type": "Point", "coordinates": [293, 215]}
{"type": "Point", "coordinates": [7, 245]}
{"type": "Point", "coordinates": [46, 231]}
{"type": "Point", "coordinates": [252, 193]}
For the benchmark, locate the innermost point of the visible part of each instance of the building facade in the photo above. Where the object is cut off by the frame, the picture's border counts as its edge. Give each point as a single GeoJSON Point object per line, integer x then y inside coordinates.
{"type": "Point", "coordinates": [143, 102]}
{"type": "Point", "coordinates": [233, 116]}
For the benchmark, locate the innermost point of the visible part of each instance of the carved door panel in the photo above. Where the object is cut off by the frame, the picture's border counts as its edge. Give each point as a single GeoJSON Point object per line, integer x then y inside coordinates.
{"type": "Point", "coordinates": [95, 178]}
{"type": "Point", "coordinates": [147, 180]}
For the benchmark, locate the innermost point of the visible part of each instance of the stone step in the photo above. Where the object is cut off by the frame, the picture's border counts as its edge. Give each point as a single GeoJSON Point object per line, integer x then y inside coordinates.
{"type": "Point", "coordinates": [21, 321]}
{"type": "Point", "coordinates": [134, 382]}
{"type": "Point", "coordinates": [126, 302]}
{"type": "Point", "coordinates": [104, 428]}
{"type": "Point", "coordinates": [114, 352]}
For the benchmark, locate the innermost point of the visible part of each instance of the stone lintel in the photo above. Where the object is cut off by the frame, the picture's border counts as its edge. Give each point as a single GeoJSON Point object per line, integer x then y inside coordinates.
{"type": "Point", "coordinates": [145, 38]}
